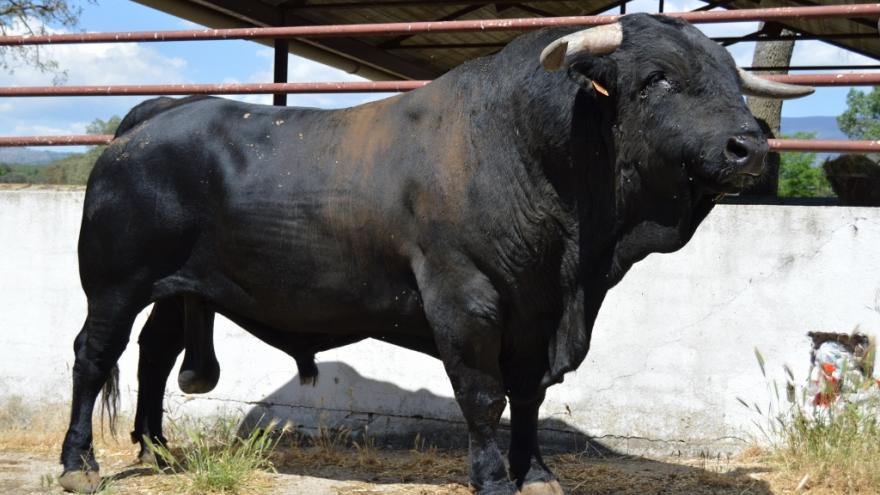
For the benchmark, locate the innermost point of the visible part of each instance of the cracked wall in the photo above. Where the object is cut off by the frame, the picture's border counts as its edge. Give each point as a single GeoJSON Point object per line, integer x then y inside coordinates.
{"type": "Point", "coordinates": [671, 351]}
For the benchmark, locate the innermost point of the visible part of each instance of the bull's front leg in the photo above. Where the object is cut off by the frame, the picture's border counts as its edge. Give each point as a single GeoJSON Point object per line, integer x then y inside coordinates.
{"type": "Point", "coordinates": [461, 308]}
{"type": "Point", "coordinates": [526, 466]}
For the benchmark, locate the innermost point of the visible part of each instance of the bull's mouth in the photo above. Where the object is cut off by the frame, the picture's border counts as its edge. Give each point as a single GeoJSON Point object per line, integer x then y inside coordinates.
{"type": "Point", "coordinates": [730, 183]}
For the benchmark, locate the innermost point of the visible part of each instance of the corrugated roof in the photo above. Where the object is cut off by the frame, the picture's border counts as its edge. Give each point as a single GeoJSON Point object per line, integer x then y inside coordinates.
{"type": "Point", "coordinates": [425, 56]}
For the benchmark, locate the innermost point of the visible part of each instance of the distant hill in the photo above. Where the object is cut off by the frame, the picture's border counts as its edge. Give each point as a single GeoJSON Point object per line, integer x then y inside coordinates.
{"type": "Point", "coordinates": [28, 156]}
{"type": "Point", "coordinates": [824, 127]}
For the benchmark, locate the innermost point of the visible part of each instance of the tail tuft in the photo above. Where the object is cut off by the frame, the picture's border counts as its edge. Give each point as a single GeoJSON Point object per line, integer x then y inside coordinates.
{"type": "Point", "coordinates": [110, 400]}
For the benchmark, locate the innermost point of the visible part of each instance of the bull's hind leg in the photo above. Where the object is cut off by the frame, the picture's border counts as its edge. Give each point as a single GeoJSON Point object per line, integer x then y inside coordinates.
{"type": "Point", "coordinates": [462, 309]}
{"type": "Point", "coordinates": [97, 348]}
{"type": "Point", "coordinates": [526, 465]}
{"type": "Point", "coordinates": [161, 341]}
{"type": "Point", "coordinates": [200, 371]}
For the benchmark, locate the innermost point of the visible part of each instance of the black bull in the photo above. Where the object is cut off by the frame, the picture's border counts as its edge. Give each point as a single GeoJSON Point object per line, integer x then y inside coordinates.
{"type": "Point", "coordinates": [479, 220]}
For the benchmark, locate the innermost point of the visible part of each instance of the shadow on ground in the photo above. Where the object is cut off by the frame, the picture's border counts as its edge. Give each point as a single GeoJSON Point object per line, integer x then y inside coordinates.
{"type": "Point", "coordinates": [400, 418]}
{"type": "Point", "coordinates": [395, 417]}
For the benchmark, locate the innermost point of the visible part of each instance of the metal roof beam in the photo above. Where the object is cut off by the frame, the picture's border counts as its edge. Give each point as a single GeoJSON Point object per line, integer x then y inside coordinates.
{"type": "Point", "coordinates": [358, 52]}
{"type": "Point", "coordinates": [382, 4]}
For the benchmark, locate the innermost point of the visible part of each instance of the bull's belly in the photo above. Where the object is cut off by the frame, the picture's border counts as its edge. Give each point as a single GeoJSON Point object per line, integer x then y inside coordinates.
{"type": "Point", "coordinates": [325, 288]}
{"type": "Point", "coordinates": [315, 260]}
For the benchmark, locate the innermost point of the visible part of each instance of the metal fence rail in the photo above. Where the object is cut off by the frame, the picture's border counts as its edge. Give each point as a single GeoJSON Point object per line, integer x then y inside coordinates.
{"type": "Point", "coordinates": [839, 146]}
{"type": "Point", "coordinates": [398, 28]}
{"type": "Point", "coordinates": [825, 145]}
{"type": "Point", "coordinates": [861, 79]}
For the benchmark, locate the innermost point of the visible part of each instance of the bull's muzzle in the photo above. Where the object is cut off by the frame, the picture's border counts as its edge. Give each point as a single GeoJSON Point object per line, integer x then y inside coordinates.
{"type": "Point", "coordinates": [746, 154]}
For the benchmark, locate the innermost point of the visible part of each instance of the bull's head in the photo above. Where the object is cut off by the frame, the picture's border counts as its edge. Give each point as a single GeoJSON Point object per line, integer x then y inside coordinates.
{"type": "Point", "coordinates": [678, 99]}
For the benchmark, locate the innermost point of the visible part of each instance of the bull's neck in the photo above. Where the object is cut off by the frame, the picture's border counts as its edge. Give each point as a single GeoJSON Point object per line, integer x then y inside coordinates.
{"type": "Point", "coordinates": [568, 137]}
{"type": "Point", "coordinates": [558, 145]}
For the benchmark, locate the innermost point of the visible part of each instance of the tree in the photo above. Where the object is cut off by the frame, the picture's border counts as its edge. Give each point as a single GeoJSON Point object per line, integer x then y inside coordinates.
{"type": "Point", "coordinates": [861, 120]}
{"type": "Point", "coordinates": [768, 111]}
{"type": "Point", "coordinates": [798, 178]}
{"type": "Point", "coordinates": [32, 17]}
{"type": "Point", "coordinates": [100, 126]}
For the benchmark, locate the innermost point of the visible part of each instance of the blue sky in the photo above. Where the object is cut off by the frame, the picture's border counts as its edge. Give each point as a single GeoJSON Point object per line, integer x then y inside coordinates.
{"type": "Point", "coordinates": [244, 61]}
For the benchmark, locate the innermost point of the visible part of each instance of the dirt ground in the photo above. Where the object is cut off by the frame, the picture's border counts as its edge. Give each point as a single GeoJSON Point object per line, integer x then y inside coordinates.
{"type": "Point", "coordinates": [418, 473]}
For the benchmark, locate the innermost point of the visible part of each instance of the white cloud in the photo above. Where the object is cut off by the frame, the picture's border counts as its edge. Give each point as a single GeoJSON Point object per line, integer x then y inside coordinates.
{"type": "Point", "coordinates": [30, 129]}
{"type": "Point", "coordinates": [85, 64]}
{"type": "Point", "coordinates": [97, 64]}
{"type": "Point", "coordinates": [818, 53]}
{"type": "Point", "coordinates": [100, 64]}
{"type": "Point", "coordinates": [304, 70]}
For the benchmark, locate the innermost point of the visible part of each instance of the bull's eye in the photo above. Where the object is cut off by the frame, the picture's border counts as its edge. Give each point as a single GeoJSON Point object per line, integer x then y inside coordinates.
{"type": "Point", "coordinates": [656, 81]}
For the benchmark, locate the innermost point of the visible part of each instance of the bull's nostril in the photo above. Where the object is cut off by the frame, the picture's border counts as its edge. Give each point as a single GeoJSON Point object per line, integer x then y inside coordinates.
{"type": "Point", "coordinates": [737, 149]}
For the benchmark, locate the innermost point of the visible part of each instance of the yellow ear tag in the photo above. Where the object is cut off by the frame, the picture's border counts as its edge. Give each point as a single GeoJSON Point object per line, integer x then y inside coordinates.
{"type": "Point", "coordinates": [598, 87]}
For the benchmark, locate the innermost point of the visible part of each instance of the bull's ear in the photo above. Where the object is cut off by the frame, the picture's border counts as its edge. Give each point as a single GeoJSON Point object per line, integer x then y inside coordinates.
{"type": "Point", "coordinates": [594, 73]}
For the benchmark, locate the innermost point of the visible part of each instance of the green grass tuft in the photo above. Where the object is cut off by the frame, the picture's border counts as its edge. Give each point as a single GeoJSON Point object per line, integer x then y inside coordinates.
{"type": "Point", "coordinates": [213, 458]}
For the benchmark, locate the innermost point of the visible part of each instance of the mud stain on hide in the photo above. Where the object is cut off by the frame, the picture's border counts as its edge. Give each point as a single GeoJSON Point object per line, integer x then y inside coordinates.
{"type": "Point", "coordinates": [118, 143]}
{"type": "Point", "coordinates": [366, 136]}
{"type": "Point", "coordinates": [455, 170]}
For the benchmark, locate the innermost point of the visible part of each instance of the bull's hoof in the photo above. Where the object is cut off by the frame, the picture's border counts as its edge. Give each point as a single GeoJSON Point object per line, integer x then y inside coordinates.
{"type": "Point", "coordinates": [542, 488]}
{"type": "Point", "coordinates": [148, 457]}
{"type": "Point", "coordinates": [191, 383]}
{"type": "Point", "coordinates": [80, 481]}
{"type": "Point", "coordinates": [497, 488]}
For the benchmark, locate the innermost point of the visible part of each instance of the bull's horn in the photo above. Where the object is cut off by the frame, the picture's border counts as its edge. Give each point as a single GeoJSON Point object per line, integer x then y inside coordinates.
{"type": "Point", "coordinates": [600, 40]}
{"type": "Point", "coordinates": [753, 85]}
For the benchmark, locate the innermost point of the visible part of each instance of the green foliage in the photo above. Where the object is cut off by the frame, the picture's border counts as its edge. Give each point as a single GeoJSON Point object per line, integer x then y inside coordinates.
{"type": "Point", "coordinates": [798, 178]}
{"type": "Point", "coordinates": [73, 169]}
{"type": "Point", "coordinates": [20, 174]}
{"type": "Point", "coordinates": [100, 126]}
{"type": "Point", "coordinates": [214, 458]}
{"type": "Point", "coordinates": [861, 120]}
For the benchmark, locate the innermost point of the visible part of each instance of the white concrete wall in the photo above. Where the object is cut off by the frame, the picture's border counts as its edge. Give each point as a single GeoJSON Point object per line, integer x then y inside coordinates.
{"type": "Point", "coordinates": [671, 351]}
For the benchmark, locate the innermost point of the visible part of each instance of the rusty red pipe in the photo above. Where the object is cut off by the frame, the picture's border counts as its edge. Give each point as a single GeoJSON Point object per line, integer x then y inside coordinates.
{"type": "Point", "coordinates": [216, 89]}
{"type": "Point", "coordinates": [838, 146]}
{"type": "Point", "coordinates": [853, 79]}
{"type": "Point", "coordinates": [823, 145]}
{"type": "Point", "coordinates": [88, 139]}
{"type": "Point", "coordinates": [856, 79]}
{"type": "Point", "coordinates": [390, 29]}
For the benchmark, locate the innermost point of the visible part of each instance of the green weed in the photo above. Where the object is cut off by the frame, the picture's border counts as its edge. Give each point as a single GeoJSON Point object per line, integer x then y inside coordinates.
{"type": "Point", "coordinates": [213, 458]}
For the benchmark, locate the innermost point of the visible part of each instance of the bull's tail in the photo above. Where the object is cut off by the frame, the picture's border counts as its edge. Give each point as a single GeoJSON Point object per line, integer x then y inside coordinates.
{"type": "Point", "coordinates": [110, 400]}
{"type": "Point", "coordinates": [150, 108]}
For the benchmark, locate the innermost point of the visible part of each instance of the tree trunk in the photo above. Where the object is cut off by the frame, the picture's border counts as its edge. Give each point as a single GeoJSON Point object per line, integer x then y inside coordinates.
{"type": "Point", "coordinates": [768, 111]}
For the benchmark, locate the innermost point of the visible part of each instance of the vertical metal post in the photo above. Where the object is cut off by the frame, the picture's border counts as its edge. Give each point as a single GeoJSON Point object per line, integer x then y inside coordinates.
{"type": "Point", "coordinates": [623, 7]}
{"type": "Point", "coordinates": [281, 52]}
{"type": "Point", "coordinates": [661, 6]}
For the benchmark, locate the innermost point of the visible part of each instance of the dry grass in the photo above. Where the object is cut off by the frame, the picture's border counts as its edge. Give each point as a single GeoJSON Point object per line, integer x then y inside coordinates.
{"type": "Point", "coordinates": [831, 450]}
{"type": "Point", "coordinates": [354, 464]}
{"type": "Point", "coordinates": [41, 428]}
{"type": "Point", "coordinates": [331, 451]}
